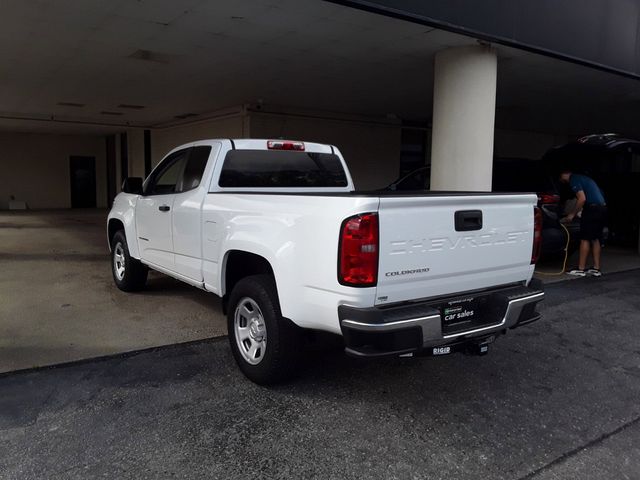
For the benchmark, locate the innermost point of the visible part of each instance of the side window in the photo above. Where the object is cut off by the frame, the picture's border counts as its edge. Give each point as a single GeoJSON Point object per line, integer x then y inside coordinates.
{"type": "Point", "coordinates": [165, 179]}
{"type": "Point", "coordinates": [195, 168]}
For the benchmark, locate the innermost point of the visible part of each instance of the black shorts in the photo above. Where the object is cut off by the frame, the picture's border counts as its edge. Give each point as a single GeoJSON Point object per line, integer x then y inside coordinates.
{"type": "Point", "coordinates": [593, 221]}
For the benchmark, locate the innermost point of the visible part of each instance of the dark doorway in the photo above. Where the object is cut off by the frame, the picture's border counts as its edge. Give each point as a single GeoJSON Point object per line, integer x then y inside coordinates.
{"type": "Point", "coordinates": [82, 176]}
{"type": "Point", "coordinates": [413, 153]}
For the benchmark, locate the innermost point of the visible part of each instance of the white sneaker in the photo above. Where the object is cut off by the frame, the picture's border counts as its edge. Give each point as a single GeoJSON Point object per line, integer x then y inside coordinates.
{"type": "Point", "coordinates": [576, 272]}
{"type": "Point", "coordinates": [594, 272]}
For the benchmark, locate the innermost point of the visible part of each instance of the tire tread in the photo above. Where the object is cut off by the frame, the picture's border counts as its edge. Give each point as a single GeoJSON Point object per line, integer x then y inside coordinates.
{"type": "Point", "coordinates": [135, 275]}
{"type": "Point", "coordinates": [283, 337]}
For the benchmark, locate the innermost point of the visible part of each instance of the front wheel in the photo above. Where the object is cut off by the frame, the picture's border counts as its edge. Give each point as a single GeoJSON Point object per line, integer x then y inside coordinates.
{"type": "Point", "coordinates": [264, 344]}
{"type": "Point", "coordinates": [129, 274]}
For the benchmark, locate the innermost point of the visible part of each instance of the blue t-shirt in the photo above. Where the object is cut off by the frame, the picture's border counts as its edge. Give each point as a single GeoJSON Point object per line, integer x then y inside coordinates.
{"type": "Point", "coordinates": [589, 187]}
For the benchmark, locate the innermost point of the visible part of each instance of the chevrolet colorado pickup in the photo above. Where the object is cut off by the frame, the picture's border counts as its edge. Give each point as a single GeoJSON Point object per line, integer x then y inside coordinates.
{"type": "Point", "coordinates": [277, 230]}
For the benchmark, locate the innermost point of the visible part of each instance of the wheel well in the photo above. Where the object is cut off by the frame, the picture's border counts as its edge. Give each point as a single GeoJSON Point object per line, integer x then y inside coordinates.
{"type": "Point", "coordinates": [113, 226]}
{"type": "Point", "coordinates": [239, 265]}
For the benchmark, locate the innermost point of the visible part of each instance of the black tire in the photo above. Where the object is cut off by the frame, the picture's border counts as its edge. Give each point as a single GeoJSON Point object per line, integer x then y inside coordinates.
{"type": "Point", "coordinates": [279, 359]}
{"type": "Point", "coordinates": [134, 276]}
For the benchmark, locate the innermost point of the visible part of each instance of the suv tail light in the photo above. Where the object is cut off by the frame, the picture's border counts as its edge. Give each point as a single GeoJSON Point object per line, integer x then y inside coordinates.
{"type": "Point", "coordinates": [548, 199]}
{"type": "Point", "coordinates": [358, 251]}
{"type": "Point", "coordinates": [285, 145]}
{"type": "Point", "coordinates": [537, 235]}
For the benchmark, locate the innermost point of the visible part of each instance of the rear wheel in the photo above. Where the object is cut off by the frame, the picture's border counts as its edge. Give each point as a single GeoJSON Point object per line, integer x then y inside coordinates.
{"type": "Point", "coordinates": [129, 274]}
{"type": "Point", "coordinates": [265, 345]}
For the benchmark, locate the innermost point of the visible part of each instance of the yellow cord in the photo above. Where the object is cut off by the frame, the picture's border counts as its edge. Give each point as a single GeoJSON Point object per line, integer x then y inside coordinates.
{"type": "Point", "coordinates": [566, 256]}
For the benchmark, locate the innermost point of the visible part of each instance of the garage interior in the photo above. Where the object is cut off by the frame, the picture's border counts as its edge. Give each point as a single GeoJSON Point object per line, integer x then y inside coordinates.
{"type": "Point", "coordinates": [96, 383]}
{"type": "Point", "coordinates": [94, 92]}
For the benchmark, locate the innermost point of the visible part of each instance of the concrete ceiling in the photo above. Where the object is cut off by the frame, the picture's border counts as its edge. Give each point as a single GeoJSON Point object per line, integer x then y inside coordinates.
{"type": "Point", "coordinates": [68, 65]}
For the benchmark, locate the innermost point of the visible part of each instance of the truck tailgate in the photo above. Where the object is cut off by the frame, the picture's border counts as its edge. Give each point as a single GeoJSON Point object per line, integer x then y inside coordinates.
{"type": "Point", "coordinates": [441, 244]}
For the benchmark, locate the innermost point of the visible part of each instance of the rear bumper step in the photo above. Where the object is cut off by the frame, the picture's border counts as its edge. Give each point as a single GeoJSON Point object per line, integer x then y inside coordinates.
{"type": "Point", "coordinates": [414, 327]}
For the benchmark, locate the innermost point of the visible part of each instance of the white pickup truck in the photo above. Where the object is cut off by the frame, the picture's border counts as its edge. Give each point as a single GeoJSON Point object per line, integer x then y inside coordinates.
{"type": "Point", "coordinates": [276, 229]}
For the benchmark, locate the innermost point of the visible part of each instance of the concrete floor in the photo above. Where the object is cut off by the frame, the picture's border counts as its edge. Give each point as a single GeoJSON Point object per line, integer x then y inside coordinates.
{"type": "Point", "coordinates": [614, 260]}
{"type": "Point", "coordinates": [58, 302]}
{"type": "Point", "coordinates": [557, 399]}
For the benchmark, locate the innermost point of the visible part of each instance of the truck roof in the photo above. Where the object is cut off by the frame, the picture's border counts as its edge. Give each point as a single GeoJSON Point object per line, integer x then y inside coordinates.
{"type": "Point", "coordinates": [263, 144]}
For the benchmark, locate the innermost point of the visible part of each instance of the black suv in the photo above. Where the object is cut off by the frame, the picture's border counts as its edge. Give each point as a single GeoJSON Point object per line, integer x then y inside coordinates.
{"type": "Point", "coordinates": [524, 175]}
{"type": "Point", "coordinates": [614, 163]}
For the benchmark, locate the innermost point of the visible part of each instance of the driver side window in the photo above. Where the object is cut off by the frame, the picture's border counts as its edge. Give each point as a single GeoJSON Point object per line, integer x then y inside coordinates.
{"type": "Point", "coordinates": [165, 179]}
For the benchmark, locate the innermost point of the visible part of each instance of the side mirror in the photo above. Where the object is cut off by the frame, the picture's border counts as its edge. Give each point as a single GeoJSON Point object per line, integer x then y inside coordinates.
{"type": "Point", "coordinates": [132, 185]}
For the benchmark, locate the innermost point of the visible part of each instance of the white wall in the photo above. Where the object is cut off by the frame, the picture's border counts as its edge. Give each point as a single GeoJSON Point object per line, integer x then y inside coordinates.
{"type": "Point", "coordinates": [372, 150]}
{"type": "Point", "coordinates": [35, 168]}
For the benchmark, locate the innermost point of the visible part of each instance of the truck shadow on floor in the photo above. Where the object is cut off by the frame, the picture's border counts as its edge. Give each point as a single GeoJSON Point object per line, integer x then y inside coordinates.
{"type": "Point", "coordinates": [159, 285]}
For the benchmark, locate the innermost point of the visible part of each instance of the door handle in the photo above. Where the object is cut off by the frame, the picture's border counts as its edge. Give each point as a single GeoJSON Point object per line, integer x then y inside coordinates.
{"type": "Point", "coordinates": [468, 220]}
{"type": "Point", "coordinates": [164, 208]}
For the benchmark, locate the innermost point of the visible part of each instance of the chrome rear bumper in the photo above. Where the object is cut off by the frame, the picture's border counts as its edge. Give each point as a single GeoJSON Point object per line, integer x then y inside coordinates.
{"type": "Point", "coordinates": [415, 326]}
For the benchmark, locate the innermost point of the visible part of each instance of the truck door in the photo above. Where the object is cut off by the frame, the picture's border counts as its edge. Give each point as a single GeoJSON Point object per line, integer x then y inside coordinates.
{"type": "Point", "coordinates": [187, 213]}
{"type": "Point", "coordinates": [154, 211]}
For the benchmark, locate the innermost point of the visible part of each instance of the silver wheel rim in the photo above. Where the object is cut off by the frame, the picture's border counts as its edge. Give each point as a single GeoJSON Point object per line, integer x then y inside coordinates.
{"type": "Point", "coordinates": [250, 331]}
{"type": "Point", "coordinates": [118, 261]}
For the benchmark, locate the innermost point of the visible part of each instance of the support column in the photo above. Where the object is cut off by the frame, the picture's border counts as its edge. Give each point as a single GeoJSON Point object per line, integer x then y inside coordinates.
{"type": "Point", "coordinates": [136, 151]}
{"type": "Point", "coordinates": [124, 157]}
{"type": "Point", "coordinates": [464, 106]}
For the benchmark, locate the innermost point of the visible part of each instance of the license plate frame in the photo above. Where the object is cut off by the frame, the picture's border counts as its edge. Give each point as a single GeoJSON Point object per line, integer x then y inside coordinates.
{"type": "Point", "coordinates": [464, 313]}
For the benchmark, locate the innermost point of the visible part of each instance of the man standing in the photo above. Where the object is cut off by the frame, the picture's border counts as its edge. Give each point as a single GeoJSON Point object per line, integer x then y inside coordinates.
{"type": "Point", "coordinates": [594, 212]}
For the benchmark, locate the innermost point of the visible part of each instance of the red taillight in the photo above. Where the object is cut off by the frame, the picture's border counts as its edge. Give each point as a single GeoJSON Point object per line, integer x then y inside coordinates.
{"type": "Point", "coordinates": [548, 199]}
{"type": "Point", "coordinates": [285, 145]}
{"type": "Point", "coordinates": [358, 251]}
{"type": "Point", "coordinates": [537, 234]}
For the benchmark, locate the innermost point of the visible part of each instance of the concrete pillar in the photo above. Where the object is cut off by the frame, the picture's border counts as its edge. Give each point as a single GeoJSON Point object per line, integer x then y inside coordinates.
{"type": "Point", "coordinates": [464, 106]}
{"type": "Point", "coordinates": [135, 141]}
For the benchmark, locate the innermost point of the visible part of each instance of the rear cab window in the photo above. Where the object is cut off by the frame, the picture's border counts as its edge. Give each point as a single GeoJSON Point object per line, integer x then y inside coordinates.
{"type": "Point", "coordinates": [281, 169]}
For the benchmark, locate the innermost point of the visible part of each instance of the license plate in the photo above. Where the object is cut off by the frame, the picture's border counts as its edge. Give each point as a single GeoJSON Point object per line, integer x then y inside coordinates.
{"type": "Point", "coordinates": [459, 310]}
{"type": "Point", "coordinates": [465, 313]}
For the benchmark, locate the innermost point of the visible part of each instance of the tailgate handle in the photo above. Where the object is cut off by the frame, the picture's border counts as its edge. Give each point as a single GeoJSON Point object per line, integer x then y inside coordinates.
{"type": "Point", "coordinates": [468, 220]}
